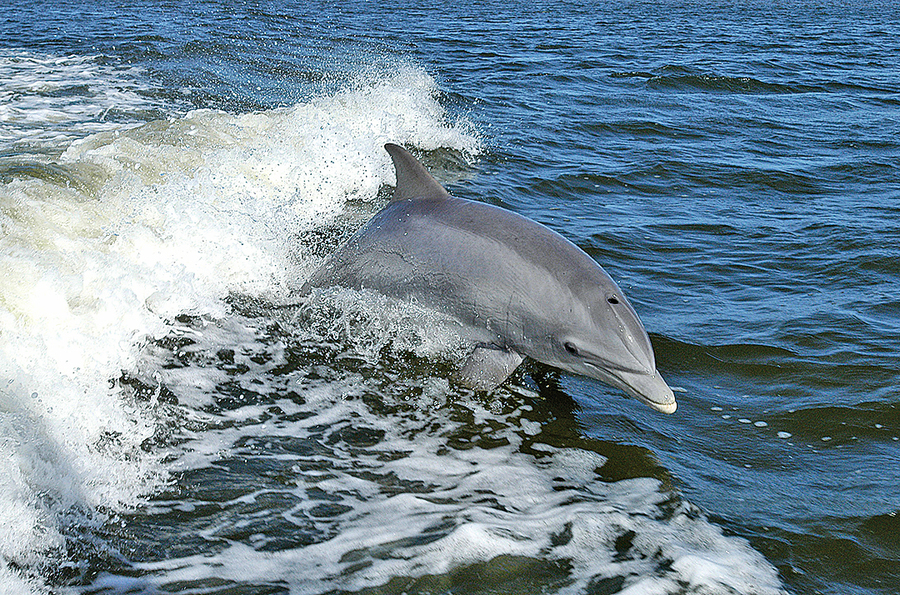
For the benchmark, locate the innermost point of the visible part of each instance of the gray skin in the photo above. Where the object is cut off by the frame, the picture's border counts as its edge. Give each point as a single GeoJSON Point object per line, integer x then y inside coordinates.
{"type": "Point", "coordinates": [516, 287]}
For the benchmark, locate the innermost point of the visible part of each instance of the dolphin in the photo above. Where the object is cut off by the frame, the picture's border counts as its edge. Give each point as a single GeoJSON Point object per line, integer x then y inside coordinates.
{"type": "Point", "coordinates": [516, 287]}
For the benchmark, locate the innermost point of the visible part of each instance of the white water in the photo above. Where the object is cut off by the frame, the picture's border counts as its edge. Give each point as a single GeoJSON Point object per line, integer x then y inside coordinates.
{"type": "Point", "coordinates": [134, 224]}
{"type": "Point", "coordinates": [403, 505]}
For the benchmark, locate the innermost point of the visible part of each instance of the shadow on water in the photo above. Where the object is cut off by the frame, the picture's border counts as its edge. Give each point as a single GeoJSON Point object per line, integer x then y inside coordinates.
{"type": "Point", "coordinates": [556, 412]}
{"type": "Point", "coordinates": [501, 575]}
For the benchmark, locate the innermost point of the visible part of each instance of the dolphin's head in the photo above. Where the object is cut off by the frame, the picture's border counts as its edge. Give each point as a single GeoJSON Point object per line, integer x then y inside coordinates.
{"type": "Point", "coordinates": [603, 338]}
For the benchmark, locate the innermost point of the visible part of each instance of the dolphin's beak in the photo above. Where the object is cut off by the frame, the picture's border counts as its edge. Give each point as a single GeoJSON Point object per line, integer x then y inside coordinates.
{"type": "Point", "coordinates": [652, 390]}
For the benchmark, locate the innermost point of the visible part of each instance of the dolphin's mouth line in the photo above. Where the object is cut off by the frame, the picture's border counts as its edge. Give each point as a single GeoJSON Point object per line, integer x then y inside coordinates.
{"type": "Point", "coordinates": [607, 366]}
{"type": "Point", "coordinates": [667, 405]}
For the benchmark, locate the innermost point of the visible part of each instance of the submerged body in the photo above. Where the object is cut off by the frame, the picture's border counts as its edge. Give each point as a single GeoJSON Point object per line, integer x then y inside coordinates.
{"type": "Point", "coordinates": [518, 288]}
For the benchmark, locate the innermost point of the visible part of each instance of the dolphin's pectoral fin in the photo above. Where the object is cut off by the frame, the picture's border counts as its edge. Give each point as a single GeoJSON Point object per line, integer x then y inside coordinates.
{"type": "Point", "coordinates": [487, 367]}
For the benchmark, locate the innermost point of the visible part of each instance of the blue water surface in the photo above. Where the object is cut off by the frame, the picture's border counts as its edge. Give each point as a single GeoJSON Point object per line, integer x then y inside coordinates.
{"type": "Point", "coordinates": [735, 167]}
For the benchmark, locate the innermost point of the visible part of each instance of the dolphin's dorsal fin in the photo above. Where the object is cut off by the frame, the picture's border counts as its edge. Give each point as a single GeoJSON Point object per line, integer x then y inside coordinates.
{"type": "Point", "coordinates": [413, 180]}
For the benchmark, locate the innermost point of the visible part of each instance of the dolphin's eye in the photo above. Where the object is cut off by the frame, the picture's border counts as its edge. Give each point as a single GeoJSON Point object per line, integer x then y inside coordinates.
{"type": "Point", "coordinates": [613, 299]}
{"type": "Point", "coordinates": [570, 347]}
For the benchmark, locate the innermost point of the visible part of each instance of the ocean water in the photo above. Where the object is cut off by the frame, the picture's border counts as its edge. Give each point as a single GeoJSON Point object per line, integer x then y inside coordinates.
{"type": "Point", "coordinates": [173, 421]}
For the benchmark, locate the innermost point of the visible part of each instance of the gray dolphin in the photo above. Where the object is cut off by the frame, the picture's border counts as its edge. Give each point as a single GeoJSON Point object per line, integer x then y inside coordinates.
{"type": "Point", "coordinates": [517, 288]}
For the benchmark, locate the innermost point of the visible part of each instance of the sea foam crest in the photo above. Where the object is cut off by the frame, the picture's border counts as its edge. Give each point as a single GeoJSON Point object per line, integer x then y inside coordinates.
{"type": "Point", "coordinates": [130, 227]}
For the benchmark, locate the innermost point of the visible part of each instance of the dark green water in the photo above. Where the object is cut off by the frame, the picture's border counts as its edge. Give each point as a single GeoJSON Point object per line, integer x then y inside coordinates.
{"type": "Point", "coordinates": [168, 429]}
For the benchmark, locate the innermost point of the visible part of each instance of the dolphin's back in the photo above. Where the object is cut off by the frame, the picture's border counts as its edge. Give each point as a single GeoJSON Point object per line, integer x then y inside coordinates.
{"type": "Point", "coordinates": [478, 262]}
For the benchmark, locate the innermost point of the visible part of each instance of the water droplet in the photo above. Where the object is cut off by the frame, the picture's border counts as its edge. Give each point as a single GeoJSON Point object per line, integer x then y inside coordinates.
{"type": "Point", "coordinates": [784, 434]}
{"type": "Point", "coordinates": [760, 424]}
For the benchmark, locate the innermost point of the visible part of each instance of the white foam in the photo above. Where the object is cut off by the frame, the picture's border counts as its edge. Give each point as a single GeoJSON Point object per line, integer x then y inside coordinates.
{"type": "Point", "coordinates": [417, 506]}
{"type": "Point", "coordinates": [136, 226]}
{"type": "Point", "coordinates": [520, 515]}
{"type": "Point", "coordinates": [47, 101]}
